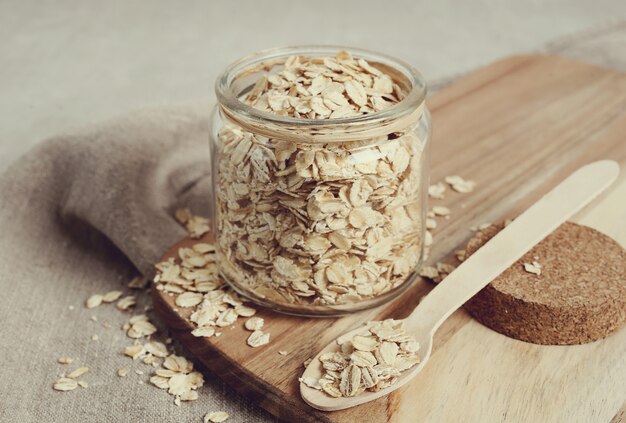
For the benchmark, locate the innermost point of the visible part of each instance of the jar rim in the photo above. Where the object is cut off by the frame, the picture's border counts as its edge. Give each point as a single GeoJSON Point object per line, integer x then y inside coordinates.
{"type": "Point", "coordinates": [229, 99]}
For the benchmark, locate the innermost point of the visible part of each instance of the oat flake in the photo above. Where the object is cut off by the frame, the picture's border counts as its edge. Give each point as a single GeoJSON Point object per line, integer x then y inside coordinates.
{"type": "Point", "coordinates": [216, 417]}
{"type": "Point", "coordinates": [65, 384]}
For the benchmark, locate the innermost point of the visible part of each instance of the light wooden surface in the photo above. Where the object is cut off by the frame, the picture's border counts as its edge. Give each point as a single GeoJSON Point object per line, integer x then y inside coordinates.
{"type": "Point", "coordinates": [497, 255]}
{"type": "Point", "coordinates": [517, 127]}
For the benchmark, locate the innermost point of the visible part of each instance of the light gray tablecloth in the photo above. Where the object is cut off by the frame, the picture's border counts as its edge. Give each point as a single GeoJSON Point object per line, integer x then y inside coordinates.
{"type": "Point", "coordinates": [83, 209]}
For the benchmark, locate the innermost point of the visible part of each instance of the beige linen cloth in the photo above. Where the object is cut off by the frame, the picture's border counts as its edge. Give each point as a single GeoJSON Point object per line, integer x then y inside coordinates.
{"type": "Point", "coordinates": [78, 214]}
{"type": "Point", "coordinates": [83, 213]}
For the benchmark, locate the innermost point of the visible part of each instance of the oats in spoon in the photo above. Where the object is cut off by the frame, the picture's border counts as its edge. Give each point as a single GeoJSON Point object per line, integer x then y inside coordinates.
{"type": "Point", "coordinates": [371, 360]}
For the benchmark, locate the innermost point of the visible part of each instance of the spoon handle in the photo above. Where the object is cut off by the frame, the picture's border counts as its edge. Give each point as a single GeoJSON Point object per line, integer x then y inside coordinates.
{"type": "Point", "coordinates": [515, 240]}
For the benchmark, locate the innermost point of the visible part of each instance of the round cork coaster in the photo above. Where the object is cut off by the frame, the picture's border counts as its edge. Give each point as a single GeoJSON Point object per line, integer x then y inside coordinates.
{"type": "Point", "coordinates": [578, 297]}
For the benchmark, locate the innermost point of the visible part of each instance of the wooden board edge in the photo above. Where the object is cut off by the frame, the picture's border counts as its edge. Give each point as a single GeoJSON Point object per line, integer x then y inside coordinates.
{"type": "Point", "coordinates": [266, 396]}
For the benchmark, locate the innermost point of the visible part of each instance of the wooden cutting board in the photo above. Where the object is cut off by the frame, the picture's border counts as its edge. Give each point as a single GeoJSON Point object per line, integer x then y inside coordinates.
{"type": "Point", "coordinates": [517, 128]}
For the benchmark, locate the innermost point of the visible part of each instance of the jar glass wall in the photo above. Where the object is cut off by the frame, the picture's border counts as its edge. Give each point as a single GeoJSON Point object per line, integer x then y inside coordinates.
{"type": "Point", "coordinates": [319, 216]}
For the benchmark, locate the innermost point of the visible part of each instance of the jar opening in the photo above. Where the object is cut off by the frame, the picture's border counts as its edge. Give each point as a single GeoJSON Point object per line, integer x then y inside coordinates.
{"type": "Point", "coordinates": [239, 78]}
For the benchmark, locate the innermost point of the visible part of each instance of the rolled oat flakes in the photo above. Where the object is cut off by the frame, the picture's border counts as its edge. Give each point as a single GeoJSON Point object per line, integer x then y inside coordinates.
{"type": "Point", "coordinates": [370, 361]}
{"type": "Point", "coordinates": [320, 223]}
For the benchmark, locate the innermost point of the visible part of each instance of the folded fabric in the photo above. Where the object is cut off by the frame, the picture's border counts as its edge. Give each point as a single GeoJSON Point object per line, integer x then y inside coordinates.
{"type": "Point", "coordinates": [79, 215]}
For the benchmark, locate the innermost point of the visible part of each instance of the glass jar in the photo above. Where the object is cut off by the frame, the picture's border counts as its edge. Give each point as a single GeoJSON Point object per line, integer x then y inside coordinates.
{"type": "Point", "coordinates": [319, 216]}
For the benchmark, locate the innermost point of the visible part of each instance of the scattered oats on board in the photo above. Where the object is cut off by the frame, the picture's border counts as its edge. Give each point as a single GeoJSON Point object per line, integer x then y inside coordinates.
{"type": "Point", "coordinates": [245, 311]}
{"type": "Point", "coordinates": [460, 255]}
{"type": "Point", "coordinates": [438, 272]}
{"type": "Point", "coordinates": [95, 337]}
{"type": "Point", "coordinates": [254, 323]}
{"type": "Point", "coordinates": [188, 299]}
{"type": "Point", "coordinates": [283, 352]}
{"type": "Point", "coordinates": [441, 211]}
{"type": "Point", "coordinates": [353, 204]}
{"type": "Point", "coordinates": [122, 372]}
{"type": "Point", "coordinates": [429, 272]}
{"type": "Point", "coordinates": [444, 268]}
{"type": "Point", "coordinates": [258, 338]}
{"type": "Point", "coordinates": [534, 268]}
{"type": "Point", "coordinates": [459, 184]}
{"type": "Point", "coordinates": [480, 227]}
{"type": "Point", "coordinates": [431, 223]}
{"type": "Point", "coordinates": [437, 191]}
{"type": "Point", "coordinates": [203, 332]}
{"type": "Point", "coordinates": [369, 361]}
{"type": "Point", "coordinates": [216, 417]}
{"type": "Point", "coordinates": [83, 384]}
{"type": "Point", "coordinates": [226, 318]}
{"type": "Point", "coordinates": [193, 278]}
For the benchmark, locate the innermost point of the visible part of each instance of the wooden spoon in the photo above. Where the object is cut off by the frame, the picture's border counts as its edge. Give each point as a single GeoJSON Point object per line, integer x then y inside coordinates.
{"type": "Point", "coordinates": [504, 249]}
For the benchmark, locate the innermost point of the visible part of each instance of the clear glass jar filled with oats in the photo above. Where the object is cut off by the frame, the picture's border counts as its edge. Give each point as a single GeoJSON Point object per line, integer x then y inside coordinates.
{"type": "Point", "coordinates": [320, 177]}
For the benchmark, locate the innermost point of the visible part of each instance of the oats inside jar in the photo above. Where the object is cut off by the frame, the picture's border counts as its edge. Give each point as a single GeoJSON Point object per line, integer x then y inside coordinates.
{"type": "Point", "coordinates": [321, 223]}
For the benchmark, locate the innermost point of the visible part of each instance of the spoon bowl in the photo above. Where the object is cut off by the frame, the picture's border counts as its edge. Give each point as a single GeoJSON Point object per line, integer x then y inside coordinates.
{"type": "Point", "coordinates": [320, 400]}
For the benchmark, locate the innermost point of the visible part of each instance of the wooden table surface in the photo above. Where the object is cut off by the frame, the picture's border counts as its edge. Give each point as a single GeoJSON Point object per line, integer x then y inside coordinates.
{"type": "Point", "coordinates": [517, 128]}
